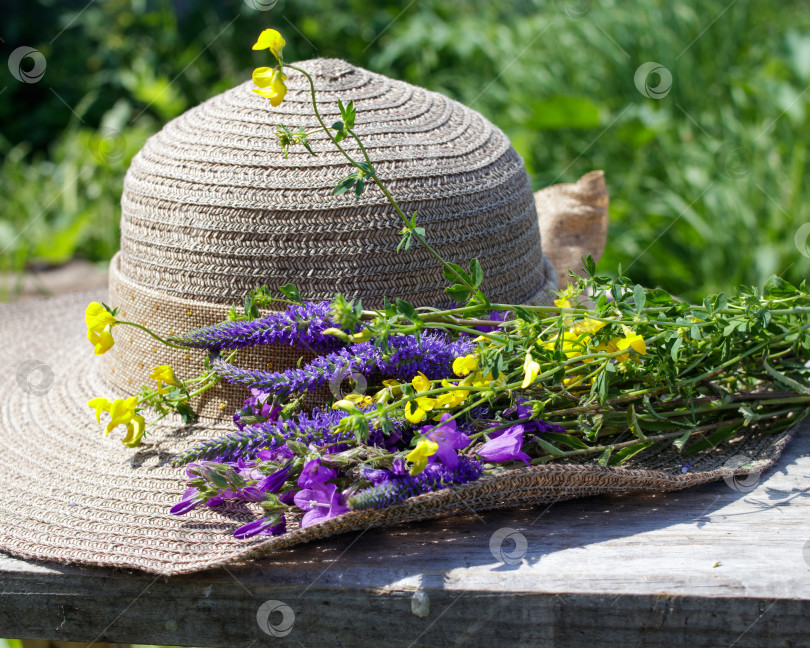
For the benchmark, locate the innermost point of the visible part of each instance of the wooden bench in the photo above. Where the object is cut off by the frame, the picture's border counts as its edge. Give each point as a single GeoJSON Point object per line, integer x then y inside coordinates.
{"type": "Point", "coordinates": [709, 566]}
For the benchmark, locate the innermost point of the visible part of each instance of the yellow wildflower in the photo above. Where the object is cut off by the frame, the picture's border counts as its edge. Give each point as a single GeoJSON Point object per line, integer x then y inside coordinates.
{"type": "Point", "coordinates": [419, 455]}
{"type": "Point", "coordinates": [98, 320]}
{"type": "Point", "coordinates": [164, 374]}
{"type": "Point", "coordinates": [97, 317]}
{"type": "Point", "coordinates": [271, 84]}
{"type": "Point", "coordinates": [420, 382]}
{"type": "Point", "coordinates": [463, 365]}
{"type": "Point", "coordinates": [415, 411]}
{"type": "Point", "coordinates": [135, 429]}
{"type": "Point", "coordinates": [587, 325]}
{"type": "Point", "coordinates": [562, 303]}
{"type": "Point", "coordinates": [633, 340]}
{"type": "Point", "coordinates": [100, 405]}
{"type": "Point", "coordinates": [530, 370]}
{"type": "Point", "coordinates": [122, 411]}
{"type": "Point", "coordinates": [572, 344]}
{"type": "Point", "coordinates": [344, 404]}
{"type": "Point", "coordinates": [102, 342]}
{"type": "Point", "coordinates": [272, 40]}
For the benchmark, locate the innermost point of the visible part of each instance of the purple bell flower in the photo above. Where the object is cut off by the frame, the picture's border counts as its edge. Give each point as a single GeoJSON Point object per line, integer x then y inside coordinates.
{"type": "Point", "coordinates": [263, 526]}
{"type": "Point", "coordinates": [449, 438]}
{"type": "Point", "coordinates": [505, 447]}
{"type": "Point", "coordinates": [314, 474]}
{"type": "Point", "coordinates": [321, 503]}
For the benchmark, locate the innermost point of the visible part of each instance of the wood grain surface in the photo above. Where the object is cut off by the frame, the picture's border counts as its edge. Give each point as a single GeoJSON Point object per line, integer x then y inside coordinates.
{"type": "Point", "coordinates": [718, 565]}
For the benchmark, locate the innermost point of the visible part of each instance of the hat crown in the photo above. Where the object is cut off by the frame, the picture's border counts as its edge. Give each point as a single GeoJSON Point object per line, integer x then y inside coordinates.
{"type": "Point", "coordinates": [212, 208]}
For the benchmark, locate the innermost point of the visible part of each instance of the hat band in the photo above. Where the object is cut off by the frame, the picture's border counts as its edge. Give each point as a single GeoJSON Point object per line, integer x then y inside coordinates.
{"type": "Point", "coordinates": [127, 365]}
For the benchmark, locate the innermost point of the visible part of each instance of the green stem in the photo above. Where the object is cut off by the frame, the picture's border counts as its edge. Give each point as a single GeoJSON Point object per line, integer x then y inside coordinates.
{"type": "Point", "coordinates": [157, 337]}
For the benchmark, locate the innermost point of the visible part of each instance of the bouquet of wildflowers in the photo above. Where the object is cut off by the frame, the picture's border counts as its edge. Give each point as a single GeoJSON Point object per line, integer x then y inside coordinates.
{"type": "Point", "coordinates": [442, 397]}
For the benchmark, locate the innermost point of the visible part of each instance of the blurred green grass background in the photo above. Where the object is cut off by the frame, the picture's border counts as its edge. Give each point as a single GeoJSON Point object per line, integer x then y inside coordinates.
{"type": "Point", "coordinates": [709, 183]}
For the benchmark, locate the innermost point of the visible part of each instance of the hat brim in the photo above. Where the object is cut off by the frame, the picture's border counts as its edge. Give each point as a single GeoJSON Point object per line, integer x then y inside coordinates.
{"type": "Point", "coordinates": [72, 495]}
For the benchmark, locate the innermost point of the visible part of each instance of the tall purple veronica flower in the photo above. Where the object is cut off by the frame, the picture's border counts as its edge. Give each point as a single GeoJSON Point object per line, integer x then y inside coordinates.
{"type": "Point", "coordinates": [433, 355]}
{"type": "Point", "coordinates": [397, 488]}
{"type": "Point", "coordinates": [302, 325]}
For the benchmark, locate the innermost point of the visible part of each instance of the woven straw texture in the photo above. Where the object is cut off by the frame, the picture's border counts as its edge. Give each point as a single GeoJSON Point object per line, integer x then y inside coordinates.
{"type": "Point", "coordinates": [72, 495]}
{"type": "Point", "coordinates": [211, 209]}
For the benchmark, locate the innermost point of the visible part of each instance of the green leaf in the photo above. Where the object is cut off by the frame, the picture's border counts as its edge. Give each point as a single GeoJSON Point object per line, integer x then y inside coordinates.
{"type": "Point", "coordinates": [628, 452]}
{"type": "Point", "coordinates": [590, 266]}
{"type": "Point", "coordinates": [448, 272]}
{"type": "Point", "coordinates": [723, 434]}
{"type": "Point", "coordinates": [549, 448]}
{"type": "Point", "coordinates": [633, 423]}
{"type": "Point", "coordinates": [348, 112]}
{"type": "Point", "coordinates": [639, 298]}
{"type": "Point", "coordinates": [186, 413]}
{"type": "Point", "coordinates": [291, 292]}
{"type": "Point", "coordinates": [675, 347]}
{"type": "Point", "coordinates": [405, 242]}
{"type": "Point", "coordinates": [567, 439]}
{"type": "Point", "coordinates": [344, 185]}
{"type": "Point", "coordinates": [605, 458]}
{"type": "Point", "coordinates": [459, 293]}
{"type": "Point", "coordinates": [476, 273]}
{"type": "Point", "coordinates": [681, 440]}
{"type": "Point", "coordinates": [407, 310]}
{"type": "Point", "coordinates": [359, 187]}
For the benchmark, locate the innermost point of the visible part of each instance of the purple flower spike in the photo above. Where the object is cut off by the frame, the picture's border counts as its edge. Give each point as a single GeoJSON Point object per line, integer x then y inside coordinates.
{"type": "Point", "coordinates": [297, 325]}
{"type": "Point", "coordinates": [321, 503]}
{"type": "Point", "coordinates": [263, 526]}
{"type": "Point", "coordinates": [506, 447]}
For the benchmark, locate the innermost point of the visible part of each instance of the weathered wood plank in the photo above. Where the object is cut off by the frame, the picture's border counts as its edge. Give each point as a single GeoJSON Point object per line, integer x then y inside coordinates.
{"type": "Point", "coordinates": [628, 571]}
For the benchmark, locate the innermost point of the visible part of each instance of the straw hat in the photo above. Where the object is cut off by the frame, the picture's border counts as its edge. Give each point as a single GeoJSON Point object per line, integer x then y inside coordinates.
{"type": "Point", "coordinates": [211, 209]}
